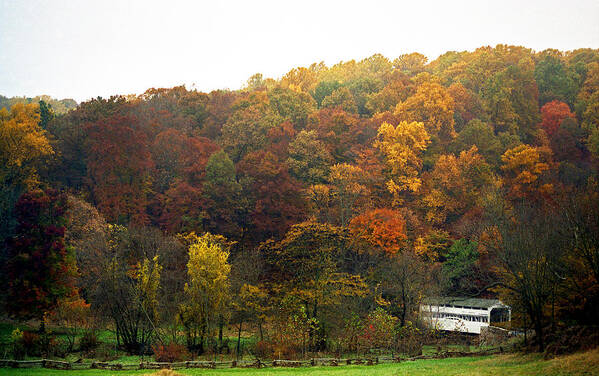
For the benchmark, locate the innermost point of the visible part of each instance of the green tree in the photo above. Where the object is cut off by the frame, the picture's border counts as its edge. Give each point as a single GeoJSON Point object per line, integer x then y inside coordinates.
{"type": "Point", "coordinates": [480, 134]}
{"type": "Point", "coordinates": [247, 128]}
{"type": "Point", "coordinates": [309, 161]}
{"type": "Point", "coordinates": [292, 105]}
{"type": "Point", "coordinates": [46, 114]}
{"type": "Point", "coordinates": [555, 80]}
{"type": "Point", "coordinates": [341, 98]}
{"type": "Point", "coordinates": [223, 194]}
{"type": "Point", "coordinates": [459, 268]}
{"type": "Point", "coordinates": [323, 90]}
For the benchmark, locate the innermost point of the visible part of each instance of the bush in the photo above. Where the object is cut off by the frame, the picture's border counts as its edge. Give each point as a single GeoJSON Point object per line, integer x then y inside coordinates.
{"type": "Point", "coordinates": [378, 330]}
{"type": "Point", "coordinates": [567, 340]}
{"type": "Point", "coordinates": [408, 339]}
{"type": "Point", "coordinates": [286, 351]}
{"type": "Point", "coordinates": [170, 353]}
{"type": "Point", "coordinates": [31, 343]}
{"type": "Point", "coordinates": [105, 352]}
{"type": "Point", "coordinates": [56, 347]}
{"type": "Point", "coordinates": [271, 350]}
{"type": "Point", "coordinates": [18, 349]}
{"type": "Point", "coordinates": [88, 342]}
{"type": "Point", "coordinates": [262, 350]}
{"type": "Point", "coordinates": [163, 372]}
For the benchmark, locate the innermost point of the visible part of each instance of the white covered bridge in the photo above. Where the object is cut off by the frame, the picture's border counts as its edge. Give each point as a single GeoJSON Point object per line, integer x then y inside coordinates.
{"type": "Point", "coordinates": [466, 315]}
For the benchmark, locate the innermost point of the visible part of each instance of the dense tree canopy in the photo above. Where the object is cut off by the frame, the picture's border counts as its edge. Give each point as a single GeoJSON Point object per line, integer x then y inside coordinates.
{"type": "Point", "coordinates": [329, 193]}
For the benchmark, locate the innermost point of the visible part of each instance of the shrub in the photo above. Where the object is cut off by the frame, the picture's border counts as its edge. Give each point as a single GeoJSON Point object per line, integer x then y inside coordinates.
{"type": "Point", "coordinates": [18, 349]}
{"type": "Point", "coordinates": [352, 331]}
{"type": "Point", "coordinates": [31, 343]}
{"type": "Point", "coordinates": [262, 350]}
{"type": "Point", "coordinates": [224, 347]}
{"type": "Point", "coordinates": [272, 350]}
{"type": "Point", "coordinates": [378, 330]}
{"type": "Point", "coordinates": [163, 372]}
{"type": "Point", "coordinates": [88, 342]}
{"type": "Point", "coordinates": [49, 346]}
{"type": "Point", "coordinates": [105, 352]}
{"type": "Point", "coordinates": [57, 347]}
{"type": "Point", "coordinates": [170, 353]}
{"type": "Point", "coordinates": [408, 339]}
{"type": "Point", "coordinates": [286, 351]}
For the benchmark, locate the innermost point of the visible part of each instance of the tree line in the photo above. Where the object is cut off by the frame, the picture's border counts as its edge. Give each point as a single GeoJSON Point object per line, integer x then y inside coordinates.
{"type": "Point", "coordinates": [315, 210]}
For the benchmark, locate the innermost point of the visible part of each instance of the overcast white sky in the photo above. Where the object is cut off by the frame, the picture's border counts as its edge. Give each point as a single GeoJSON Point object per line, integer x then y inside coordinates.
{"type": "Point", "coordinates": [82, 49]}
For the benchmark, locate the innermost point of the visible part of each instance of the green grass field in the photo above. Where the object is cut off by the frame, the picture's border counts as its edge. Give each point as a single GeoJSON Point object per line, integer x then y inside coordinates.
{"type": "Point", "coordinates": [513, 364]}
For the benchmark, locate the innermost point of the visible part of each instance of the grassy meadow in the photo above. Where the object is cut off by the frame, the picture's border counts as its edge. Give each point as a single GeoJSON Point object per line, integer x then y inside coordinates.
{"type": "Point", "coordinates": [586, 363]}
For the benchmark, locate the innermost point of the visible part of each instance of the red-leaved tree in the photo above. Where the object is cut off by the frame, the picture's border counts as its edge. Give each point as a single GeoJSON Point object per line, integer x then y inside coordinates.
{"type": "Point", "coordinates": [41, 269]}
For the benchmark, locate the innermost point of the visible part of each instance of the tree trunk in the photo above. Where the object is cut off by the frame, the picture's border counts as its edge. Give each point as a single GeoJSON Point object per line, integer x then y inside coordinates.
{"type": "Point", "coordinates": [525, 331]}
{"type": "Point", "coordinates": [539, 334]}
{"type": "Point", "coordinates": [220, 334]}
{"type": "Point", "coordinates": [311, 338]}
{"type": "Point", "coordinates": [42, 326]}
{"type": "Point", "coordinates": [239, 339]}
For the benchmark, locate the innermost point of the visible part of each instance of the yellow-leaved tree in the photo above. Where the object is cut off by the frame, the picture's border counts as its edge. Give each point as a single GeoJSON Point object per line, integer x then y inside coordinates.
{"type": "Point", "coordinates": [23, 146]}
{"type": "Point", "coordinates": [207, 290]}
{"type": "Point", "coordinates": [347, 189]}
{"type": "Point", "coordinates": [456, 185]}
{"type": "Point", "coordinates": [525, 171]}
{"type": "Point", "coordinates": [433, 105]}
{"type": "Point", "coordinates": [402, 147]}
{"type": "Point", "coordinates": [148, 284]}
{"type": "Point", "coordinates": [22, 143]}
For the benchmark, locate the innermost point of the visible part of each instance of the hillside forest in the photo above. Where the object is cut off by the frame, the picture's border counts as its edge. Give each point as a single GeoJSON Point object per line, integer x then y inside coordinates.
{"type": "Point", "coordinates": [312, 212]}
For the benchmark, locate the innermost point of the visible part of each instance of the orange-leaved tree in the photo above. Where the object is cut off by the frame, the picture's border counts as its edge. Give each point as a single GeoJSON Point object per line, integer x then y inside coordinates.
{"type": "Point", "coordinates": [383, 228]}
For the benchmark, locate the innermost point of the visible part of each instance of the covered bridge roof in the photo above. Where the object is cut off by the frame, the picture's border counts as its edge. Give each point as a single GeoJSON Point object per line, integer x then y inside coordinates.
{"type": "Point", "coordinates": [462, 302]}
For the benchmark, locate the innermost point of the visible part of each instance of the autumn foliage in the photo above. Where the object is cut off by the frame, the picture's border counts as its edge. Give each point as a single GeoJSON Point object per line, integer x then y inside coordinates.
{"type": "Point", "coordinates": [320, 206]}
{"type": "Point", "coordinates": [553, 113]}
{"type": "Point", "coordinates": [382, 228]}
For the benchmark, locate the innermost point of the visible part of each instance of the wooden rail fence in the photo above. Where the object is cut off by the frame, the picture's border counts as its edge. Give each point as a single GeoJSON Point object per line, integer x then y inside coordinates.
{"type": "Point", "coordinates": [331, 362]}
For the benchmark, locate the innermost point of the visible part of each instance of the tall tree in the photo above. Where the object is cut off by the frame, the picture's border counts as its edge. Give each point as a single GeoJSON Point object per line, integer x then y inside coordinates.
{"type": "Point", "coordinates": [347, 190]}
{"type": "Point", "coordinates": [24, 145]}
{"type": "Point", "coordinates": [225, 205]}
{"type": "Point", "coordinates": [553, 113]}
{"type": "Point", "coordinates": [455, 186]}
{"type": "Point", "coordinates": [555, 80]}
{"type": "Point", "coordinates": [307, 265]}
{"type": "Point", "coordinates": [383, 229]}
{"type": "Point", "coordinates": [118, 169]}
{"type": "Point", "coordinates": [402, 147]}
{"type": "Point", "coordinates": [40, 268]}
{"type": "Point", "coordinates": [526, 171]}
{"type": "Point", "coordinates": [528, 251]}
{"type": "Point", "coordinates": [431, 105]}
{"type": "Point", "coordinates": [247, 128]}
{"type": "Point", "coordinates": [277, 201]}
{"type": "Point", "coordinates": [207, 291]}
{"type": "Point", "coordinates": [309, 160]}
